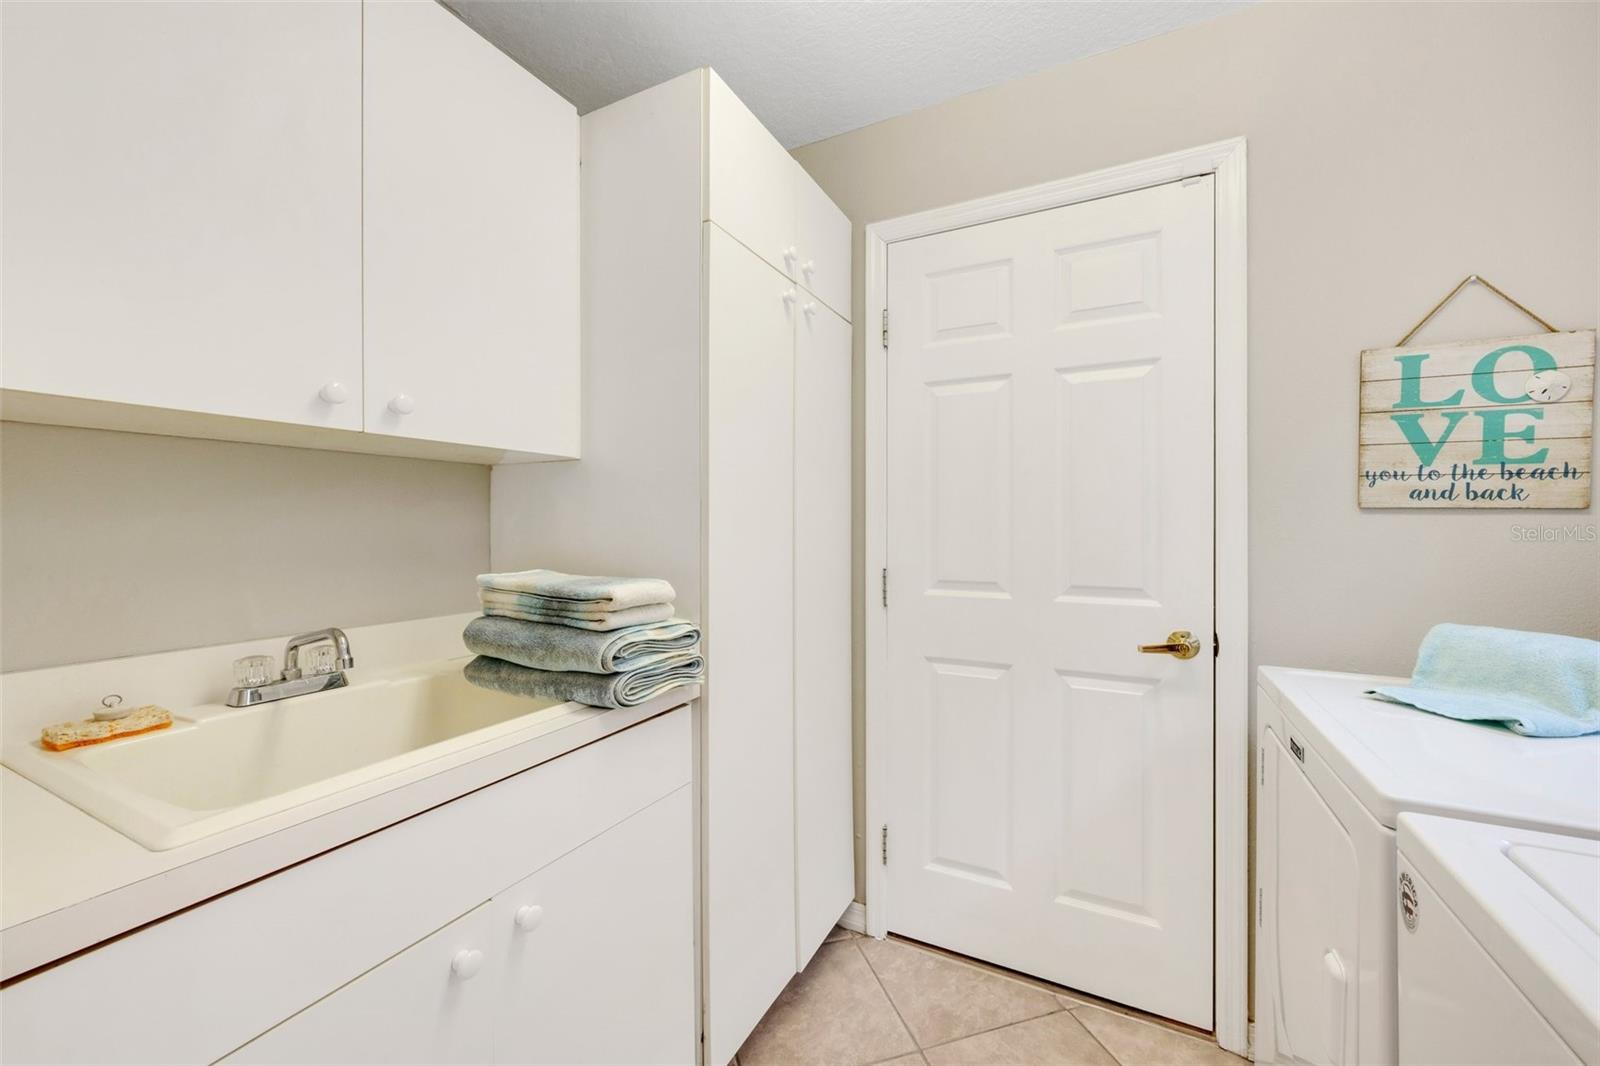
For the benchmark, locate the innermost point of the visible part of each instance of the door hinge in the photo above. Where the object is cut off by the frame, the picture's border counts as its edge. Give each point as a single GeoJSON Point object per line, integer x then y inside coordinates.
{"type": "Point", "coordinates": [1259, 906]}
{"type": "Point", "coordinates": [1216, 644]}
{"type": "Point", "coordinates": [885, 844]}
{"type": "Point", "coordinates": [1263, 762]}
{"type": "Point", "coordinates": [884, 586]}
{"type": "Point", "coordinates": [886, 328]}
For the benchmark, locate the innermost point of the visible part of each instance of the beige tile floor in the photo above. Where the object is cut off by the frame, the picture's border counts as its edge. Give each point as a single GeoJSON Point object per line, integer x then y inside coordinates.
{"type": "Point", "coordinates": [895, 1002]}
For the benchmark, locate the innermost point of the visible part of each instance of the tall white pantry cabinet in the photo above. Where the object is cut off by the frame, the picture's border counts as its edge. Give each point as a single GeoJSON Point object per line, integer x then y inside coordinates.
{"type": "Point", "coordinates": [716, 453]}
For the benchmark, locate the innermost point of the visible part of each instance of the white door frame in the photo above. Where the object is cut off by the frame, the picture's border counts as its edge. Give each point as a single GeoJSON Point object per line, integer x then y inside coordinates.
{"type": "Point", "coordinates": [1225, 160]}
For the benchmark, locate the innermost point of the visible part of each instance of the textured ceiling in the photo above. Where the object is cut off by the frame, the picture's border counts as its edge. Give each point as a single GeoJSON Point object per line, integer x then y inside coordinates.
{"type": "Point", "coordinates": [810, 70]}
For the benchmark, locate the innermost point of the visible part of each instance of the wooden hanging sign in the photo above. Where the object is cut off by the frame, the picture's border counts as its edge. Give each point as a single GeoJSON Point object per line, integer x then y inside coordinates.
{"type": "Point", "coordinates": [1495, 424]}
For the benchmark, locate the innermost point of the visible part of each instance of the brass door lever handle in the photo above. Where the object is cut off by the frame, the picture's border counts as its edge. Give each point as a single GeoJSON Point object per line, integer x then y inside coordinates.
{"type": "Point", "coordinates": [1181, 644]}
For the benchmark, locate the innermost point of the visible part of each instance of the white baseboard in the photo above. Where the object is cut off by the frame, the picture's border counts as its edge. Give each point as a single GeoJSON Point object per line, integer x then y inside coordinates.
{"type": "Point", "coordinates": [854, 917]}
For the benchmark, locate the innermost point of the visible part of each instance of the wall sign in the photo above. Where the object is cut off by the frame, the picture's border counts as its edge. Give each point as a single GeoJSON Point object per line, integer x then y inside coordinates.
{"type": "Point", "coordinates": [1491, 424]}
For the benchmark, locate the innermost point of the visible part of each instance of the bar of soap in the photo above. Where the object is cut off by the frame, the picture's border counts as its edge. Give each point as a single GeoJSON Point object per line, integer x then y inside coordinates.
{"type": "Point", "coordinates": [77, 734]}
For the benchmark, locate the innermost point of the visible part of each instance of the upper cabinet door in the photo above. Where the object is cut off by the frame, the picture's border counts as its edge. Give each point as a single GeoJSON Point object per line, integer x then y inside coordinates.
{"type": "Point", "coordinates": [471, 234]}
{"type": "Point", "coordinates": [182, 190]}
{"type": "Point", "coordinates": [822, 244]}
{"type": "Point", "coordinates": [751, 180]}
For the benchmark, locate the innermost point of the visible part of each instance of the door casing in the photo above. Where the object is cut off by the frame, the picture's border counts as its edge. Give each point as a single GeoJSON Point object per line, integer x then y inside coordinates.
{"type": "Point", "coordinates": [1231, 698]}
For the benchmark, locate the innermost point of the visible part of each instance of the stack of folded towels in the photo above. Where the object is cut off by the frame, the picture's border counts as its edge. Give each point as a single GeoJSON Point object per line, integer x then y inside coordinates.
{"type": "Point", "coordinates": [603, 641]}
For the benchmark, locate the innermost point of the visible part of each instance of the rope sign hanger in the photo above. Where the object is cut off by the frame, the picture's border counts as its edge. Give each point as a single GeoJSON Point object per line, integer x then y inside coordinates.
{"type": "Point", "coordinates": [1463, 283]}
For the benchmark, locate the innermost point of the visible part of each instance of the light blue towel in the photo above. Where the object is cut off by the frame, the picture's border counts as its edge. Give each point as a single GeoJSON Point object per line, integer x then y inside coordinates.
{"type": "Point", "coordinates": [1538, 684]}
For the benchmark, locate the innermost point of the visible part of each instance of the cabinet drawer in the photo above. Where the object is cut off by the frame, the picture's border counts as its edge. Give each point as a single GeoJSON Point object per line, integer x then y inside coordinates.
{"type": "Point", "coordinates": [429, 1004]}
{"type": "Point", "coordinates": [203, 982]}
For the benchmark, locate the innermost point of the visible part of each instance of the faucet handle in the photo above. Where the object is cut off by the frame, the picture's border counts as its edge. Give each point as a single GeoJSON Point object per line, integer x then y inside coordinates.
{"type": "Point", "coordinates": [317, 659]}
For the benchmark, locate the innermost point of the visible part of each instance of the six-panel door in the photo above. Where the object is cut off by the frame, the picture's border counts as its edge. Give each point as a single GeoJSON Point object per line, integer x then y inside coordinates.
{"type": "Point", "coordinates": [1049, 511]}
{"type": "Point", "coordinates": [183, 206]}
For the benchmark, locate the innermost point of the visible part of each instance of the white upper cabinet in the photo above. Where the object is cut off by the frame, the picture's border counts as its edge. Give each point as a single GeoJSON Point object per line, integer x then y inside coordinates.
{"type": "Point", "coordinates": [823, 244]}
{"type": "Point", "coordinates": [765, 200]}
{"type": "Point", "coordinates": [750, 180]}
{"type": "Point", "coordinates": [182, 200]}
{"type": "Point", "coordinates": [471, 235]}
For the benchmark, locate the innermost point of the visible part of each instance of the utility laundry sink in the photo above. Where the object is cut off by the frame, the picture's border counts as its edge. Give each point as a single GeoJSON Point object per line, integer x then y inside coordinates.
{"type": "Point", "coordinates": [218, 767]}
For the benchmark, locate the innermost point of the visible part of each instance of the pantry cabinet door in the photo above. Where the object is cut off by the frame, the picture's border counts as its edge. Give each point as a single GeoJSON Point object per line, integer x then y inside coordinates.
{"type": "Point", "coordinates": [182, 200]}
{"type": "Point", "coordinates": [750, 180]}
{"type": "Point", "coordinates": [429, 1004]}
{"type": "Point", "coordinates": [471, 238]}
{"type": "Point", "coordinates": [822, 244]}
{"type": "Point", "coordinates": [748, 764]}
{"type": "Point", "coordinates": [824, 853]}
{"type": "Point", "coordinates": [596, 951]}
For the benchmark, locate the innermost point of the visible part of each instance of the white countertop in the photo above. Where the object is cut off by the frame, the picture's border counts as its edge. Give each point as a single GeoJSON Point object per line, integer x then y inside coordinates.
{"type": "Point", "coordinates": [68, 881]}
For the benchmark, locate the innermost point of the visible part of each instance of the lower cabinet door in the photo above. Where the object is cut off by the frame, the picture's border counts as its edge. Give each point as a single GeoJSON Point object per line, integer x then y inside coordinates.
{"type": "Point", "coordinates": [597, 949]}
{"type": "Point", "coordinates": [428, 1004]}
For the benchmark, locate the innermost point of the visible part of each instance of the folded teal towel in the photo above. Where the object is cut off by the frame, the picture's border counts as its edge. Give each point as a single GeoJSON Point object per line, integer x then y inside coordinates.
{"type": "Point", "coordinates": [559, 612]}
{"type": "Point", "coordinates": [546, 646]}
{"type": "Point", "coordinates": [578, 590]}
{"type": "Point", "coordinates": [1538, 684]}
{"type": "Point", "coordinates": [596, 690]}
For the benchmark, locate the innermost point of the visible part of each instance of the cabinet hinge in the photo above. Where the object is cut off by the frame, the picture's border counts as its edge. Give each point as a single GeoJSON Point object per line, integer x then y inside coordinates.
{"type": "Point", "coordinates": [1216, 644]}
{"type": "Point", "coordinates": [1258, 908]}
{"type": "Point", "coordinates": [1262, 781]}
{"type": "Point", "coordinates": [886, 328]}
{"type": "Point", "coordinates": [885, 844]}
{"type": "Point", "coordinates": [884, 586]}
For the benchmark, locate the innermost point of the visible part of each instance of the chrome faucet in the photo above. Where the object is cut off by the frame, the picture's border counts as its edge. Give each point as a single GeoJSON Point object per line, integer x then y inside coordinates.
{"type": "Point", "coordinates": [294, 681]}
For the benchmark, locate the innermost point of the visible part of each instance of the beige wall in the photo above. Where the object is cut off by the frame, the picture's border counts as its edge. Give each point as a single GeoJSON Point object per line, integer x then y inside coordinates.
{"type": "Point", "coordinates": [1393, 149]}
{"type": "Point", "coordinates": [120, 544]}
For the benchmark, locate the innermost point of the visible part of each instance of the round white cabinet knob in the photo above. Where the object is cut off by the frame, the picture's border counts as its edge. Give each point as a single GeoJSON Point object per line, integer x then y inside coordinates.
{"type": "Point", "coordinates": [402, 404]}
{"type": "Point", "coordinates": [809, 267]}
{"type": "Point", "coordinates": [334, 392]}
{"type": "Point", "coordinates": [810, 308]}
{"type": "Point", "coordinates": [790, 254]}
{"type": "Point", "coordinates": [789, 297]}
{"type": "Point", "coordinates": [468, 961]}
{"type": "Point", "coordinates": [528, 917]}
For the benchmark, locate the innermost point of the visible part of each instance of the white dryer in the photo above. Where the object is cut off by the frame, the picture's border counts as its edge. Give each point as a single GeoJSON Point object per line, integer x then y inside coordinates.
{"type": "Point", "coordinates": [1335, 770]}
{"type": "Point", "coordinates": [1499, 945]}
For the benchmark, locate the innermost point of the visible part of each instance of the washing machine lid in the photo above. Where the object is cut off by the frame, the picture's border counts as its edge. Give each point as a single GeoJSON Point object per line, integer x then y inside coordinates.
{"type": "Point", "coordinates": [1532, 900]}
{"type": "Point", "coordinates": [1396, 758]}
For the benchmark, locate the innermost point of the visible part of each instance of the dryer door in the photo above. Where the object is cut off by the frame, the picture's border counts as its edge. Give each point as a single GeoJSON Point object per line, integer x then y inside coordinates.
{"type": "Point", "coordinates": [1309, 872]}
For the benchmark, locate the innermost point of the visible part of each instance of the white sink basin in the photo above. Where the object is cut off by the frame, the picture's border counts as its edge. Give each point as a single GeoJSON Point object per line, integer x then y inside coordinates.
{"type": "Point", "coordinates": [218, 767]}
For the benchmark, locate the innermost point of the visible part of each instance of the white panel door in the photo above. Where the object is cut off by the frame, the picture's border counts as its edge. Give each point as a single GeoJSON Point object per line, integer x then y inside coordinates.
{"type": "Point", "coordinates": [182, 206]}
{"type": "Point", "coordinates": [471, 238]}
{"type": "Point", "coordinates": [429, 1004]}
{"type": "Point", "coordinates": [594, 954]}
{"type": "Point", "coordinates": [824, 826]}
{"type": "Point", "coordinates": [748, 764]}
{"type": "Point", "coordinates": [1049, 510]}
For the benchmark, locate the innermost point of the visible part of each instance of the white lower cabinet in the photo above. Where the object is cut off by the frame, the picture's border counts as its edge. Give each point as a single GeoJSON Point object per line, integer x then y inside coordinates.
{"type": "Point", "coordinates": [428, 1004]}
{"type": "Point", "coordinates": [591, 950]}
{"type": "Point", "coordinates": [546, 918]}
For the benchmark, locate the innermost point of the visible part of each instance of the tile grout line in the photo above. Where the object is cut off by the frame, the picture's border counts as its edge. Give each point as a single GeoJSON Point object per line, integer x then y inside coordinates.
{"type": "Point", "coordinates": [1111, 1054]}
{"type": "Point", "coordinates": [915, 1040]}
{"type": "Point", "coordinates": [1059, 1009]}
